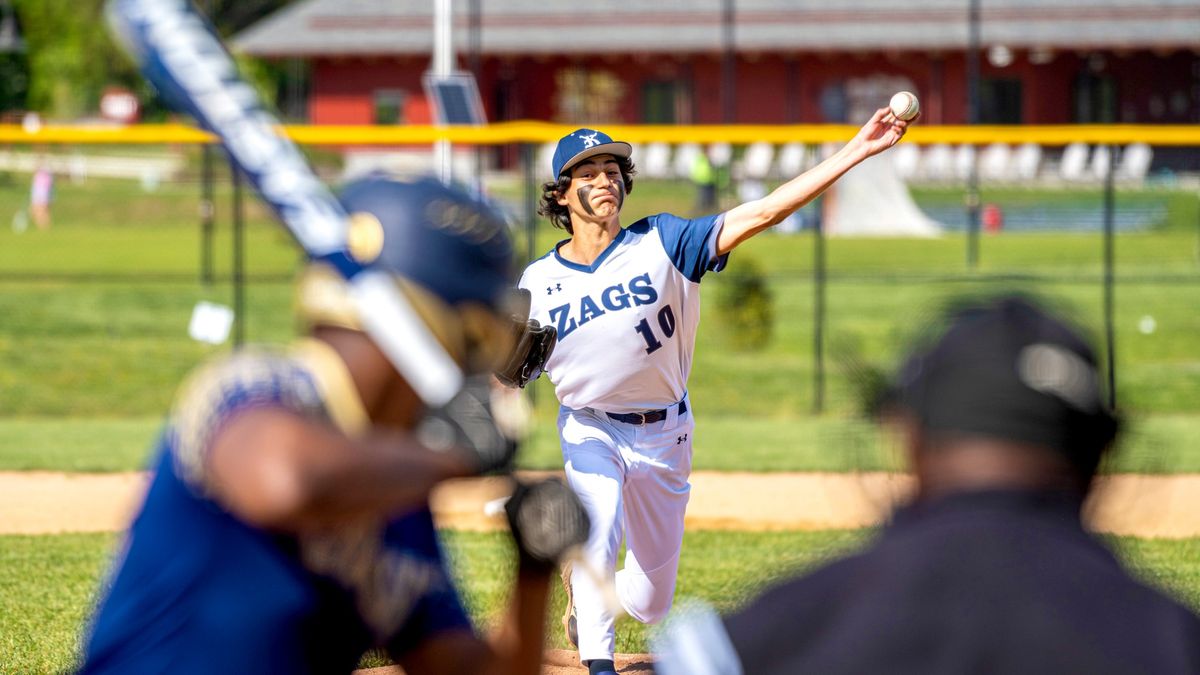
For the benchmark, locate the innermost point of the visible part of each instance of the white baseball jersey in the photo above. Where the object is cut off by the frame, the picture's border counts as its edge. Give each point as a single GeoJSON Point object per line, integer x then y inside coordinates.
{"type": "Point", "coordinates": [627, 322]}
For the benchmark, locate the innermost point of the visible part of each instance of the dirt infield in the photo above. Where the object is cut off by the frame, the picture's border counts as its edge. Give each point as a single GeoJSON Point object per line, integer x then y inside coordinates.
{"type": "Point", "coordinates": [558, 662]}
{"type": "Point", "coordinates": [1138, 505]}
{"type": "Point", "coordinates": [1148, 506]}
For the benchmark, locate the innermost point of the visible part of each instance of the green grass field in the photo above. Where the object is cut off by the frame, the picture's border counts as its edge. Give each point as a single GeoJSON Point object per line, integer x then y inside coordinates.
{"type": "Point", "coordinates": [1155, 444]}
{"type": "Point", "coordinates": [93, 343]}
{"type": "Point", "coordinates": [48, 583]}
{"type": "Point", "coordinates": [95, 313]}
{"type": "Point", "coordinates": [104, 348]}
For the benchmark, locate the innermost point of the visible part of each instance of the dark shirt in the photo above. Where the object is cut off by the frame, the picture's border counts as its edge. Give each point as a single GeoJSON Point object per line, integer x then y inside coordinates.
{"type": "Point", "coordinates": [997, 582]}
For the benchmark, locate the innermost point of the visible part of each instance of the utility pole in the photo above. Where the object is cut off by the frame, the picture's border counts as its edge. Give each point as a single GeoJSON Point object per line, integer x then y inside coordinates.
{"type": "Point", "coordinates": [443, 64]}
{"type": "Point", "coordinates": [207, 209]}
{"type": "Point", "coordinates": [476, 62]}
{"type": "Point", "coordinates": [973, 44]}
{"type": "Point", "coordinates": [728, 63]}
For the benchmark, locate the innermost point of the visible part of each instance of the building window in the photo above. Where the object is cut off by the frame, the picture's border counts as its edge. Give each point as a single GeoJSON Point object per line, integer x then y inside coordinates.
{"type": "Point", "coordinates": [834, 103]}
{"type": "Point", "coordinates": [389, 106]}
{"type": "Point", "coordinates": [585, 96]}
{"type": "Point", "coordinates": [999, 101]}
{"type": "Point", "coordinates": [860, 97]}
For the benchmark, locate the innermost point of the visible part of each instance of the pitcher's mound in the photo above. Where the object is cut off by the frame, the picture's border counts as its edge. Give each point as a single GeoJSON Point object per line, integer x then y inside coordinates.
{"type": "Point", "coordinates": [557, 662]}
{"type": "Point", "coordinates": [566, 662]}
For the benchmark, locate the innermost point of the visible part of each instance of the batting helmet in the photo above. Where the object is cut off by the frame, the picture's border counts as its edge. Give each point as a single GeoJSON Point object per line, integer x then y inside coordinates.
{"type": "Point", "coordinates": [450, 254]}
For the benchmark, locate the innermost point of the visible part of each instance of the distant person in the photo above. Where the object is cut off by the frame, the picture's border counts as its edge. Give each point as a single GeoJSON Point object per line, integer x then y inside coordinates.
{"type": "Point", "coordinates": [989, 569]}
{"type": "Point", "coordinates": [704, 177]}
{"type": "Point", "coordinates": [287, 526]}
{"type": "Point", "coordinates": [41, 193]}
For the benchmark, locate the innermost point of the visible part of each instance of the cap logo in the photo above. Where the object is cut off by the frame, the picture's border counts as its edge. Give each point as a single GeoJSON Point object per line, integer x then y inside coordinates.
{"type": "Point", "coordinates": [463, 220]}
{"type": "Point", "coordinates": [1059, 372]}
{"type": "Point", "coordinates": [364, 239]}
{"type": "Point", "coordinates": [589, 140]}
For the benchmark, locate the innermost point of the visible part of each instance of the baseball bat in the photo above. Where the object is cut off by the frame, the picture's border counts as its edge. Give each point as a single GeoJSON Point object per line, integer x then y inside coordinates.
{"type": "Point", "coordinates": [179, 52]}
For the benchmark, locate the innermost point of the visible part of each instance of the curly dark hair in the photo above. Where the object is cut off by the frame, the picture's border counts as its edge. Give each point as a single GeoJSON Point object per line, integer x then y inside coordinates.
{"type": "Point", "coordinates": [552, 191]}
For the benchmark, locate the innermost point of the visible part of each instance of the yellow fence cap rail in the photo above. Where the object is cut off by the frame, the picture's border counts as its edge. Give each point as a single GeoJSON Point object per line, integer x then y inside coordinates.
{"type": "Point", "coordinates": [529, 131]}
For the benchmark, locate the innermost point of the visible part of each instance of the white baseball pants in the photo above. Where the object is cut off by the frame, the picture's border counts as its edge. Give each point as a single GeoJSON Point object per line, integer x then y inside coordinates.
{"type": "Point", "coordinates": [633, 480]}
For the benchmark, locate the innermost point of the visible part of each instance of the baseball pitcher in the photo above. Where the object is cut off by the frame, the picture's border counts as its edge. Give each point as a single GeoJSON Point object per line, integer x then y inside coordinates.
{"type": "Point", "coordinates": [625, 304]}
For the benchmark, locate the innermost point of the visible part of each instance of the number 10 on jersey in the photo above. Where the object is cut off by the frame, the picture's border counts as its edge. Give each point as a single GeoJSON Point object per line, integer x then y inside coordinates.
{"type": "Point", "coordinates": [666, 321]}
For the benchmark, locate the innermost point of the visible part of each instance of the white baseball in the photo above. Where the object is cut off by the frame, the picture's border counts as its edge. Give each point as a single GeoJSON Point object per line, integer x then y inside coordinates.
{"type": "Point", "coordinates": [904, 105]}
{"type": "Point", "coordinates": [1147, 325]}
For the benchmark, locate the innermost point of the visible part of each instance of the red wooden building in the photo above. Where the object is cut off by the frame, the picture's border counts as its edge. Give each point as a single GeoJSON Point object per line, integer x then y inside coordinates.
{"type": "Point", "coordinates": [792, 61]}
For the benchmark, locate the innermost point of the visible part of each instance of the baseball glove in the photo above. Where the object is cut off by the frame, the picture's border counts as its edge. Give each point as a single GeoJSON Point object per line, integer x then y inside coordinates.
{"type": "Point", "coordinates": [534, 344]}
{"type": "Point", "coordinates": [468, 423]}
{"type": "Point", "coordinates": [547, 521]}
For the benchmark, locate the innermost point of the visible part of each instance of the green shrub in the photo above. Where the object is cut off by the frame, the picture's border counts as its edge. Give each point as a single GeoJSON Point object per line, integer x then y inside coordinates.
{"type": "Point", "coordinates": [744, 305]}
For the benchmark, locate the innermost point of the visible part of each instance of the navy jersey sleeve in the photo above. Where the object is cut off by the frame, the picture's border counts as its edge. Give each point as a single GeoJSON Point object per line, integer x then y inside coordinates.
{"type": "Point", "coordinates": [691, 244]}
{"type": "Point", "coordinates": [218, 391]}
{"type": "Point", "coordinates": [438, 608]}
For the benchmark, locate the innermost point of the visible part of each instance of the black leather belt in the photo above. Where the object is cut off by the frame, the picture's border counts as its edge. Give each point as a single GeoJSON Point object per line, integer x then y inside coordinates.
{"type": "Point", "coordinates": [648, 417]}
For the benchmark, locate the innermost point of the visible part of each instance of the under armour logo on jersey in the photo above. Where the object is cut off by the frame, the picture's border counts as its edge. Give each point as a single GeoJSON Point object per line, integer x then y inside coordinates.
{"type": "Point", "coordinates": [550, 289]}
{"type": "Point", "coordinates": [680, 439]}
{"type": "Point", "coordinates": [589, 140]}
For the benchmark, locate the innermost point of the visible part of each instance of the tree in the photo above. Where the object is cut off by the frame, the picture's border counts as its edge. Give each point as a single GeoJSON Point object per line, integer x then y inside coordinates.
{"type": "Point", "coordinates": [71, 56]}
{"type": "Point", "coordinates": [14, 81]}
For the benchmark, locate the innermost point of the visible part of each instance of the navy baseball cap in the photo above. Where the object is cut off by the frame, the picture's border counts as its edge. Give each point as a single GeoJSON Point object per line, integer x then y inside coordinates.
{"type": "Point", "coordinates": [583, 143]}
{"type": "Point", "coordinates": [1004, 367]}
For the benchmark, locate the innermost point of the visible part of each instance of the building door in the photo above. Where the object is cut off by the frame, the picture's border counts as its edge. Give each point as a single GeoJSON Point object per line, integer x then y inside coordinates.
{"type": "Point", "coordinates": [1095, 98]}
{"type": "Point", "coordinates": [999, 101]}
{"type": "Point", "coordinates": [504, 101]}
{"type": "Point", "coordinates": [658, 103]}
{"type": "Point", "coordinates": [666, 102]}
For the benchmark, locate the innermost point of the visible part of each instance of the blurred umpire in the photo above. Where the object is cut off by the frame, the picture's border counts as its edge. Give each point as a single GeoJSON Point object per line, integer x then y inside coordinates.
{"type": "Point", "coordinates": [989, 569]}
{"type": "Point", "coordinates": [287, 528]}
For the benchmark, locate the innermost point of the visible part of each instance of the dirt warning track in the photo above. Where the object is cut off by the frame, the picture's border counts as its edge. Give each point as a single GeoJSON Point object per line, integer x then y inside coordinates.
{"type": "Point", "coordinates": [1127, 504]}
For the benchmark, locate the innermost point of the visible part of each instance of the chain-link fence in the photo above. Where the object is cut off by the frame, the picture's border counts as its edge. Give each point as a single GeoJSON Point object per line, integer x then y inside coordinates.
{"type": "Point", "coordinates": [142, 228]}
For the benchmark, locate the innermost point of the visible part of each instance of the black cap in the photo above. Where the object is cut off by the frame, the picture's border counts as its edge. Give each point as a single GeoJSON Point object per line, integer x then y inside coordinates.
{"type": "Point", "coordinates": [1005, 368]}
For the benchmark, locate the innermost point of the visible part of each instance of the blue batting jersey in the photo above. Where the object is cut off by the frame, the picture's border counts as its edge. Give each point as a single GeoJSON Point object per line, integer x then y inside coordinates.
{"type": "Point", "coordinates": [627, 322]}
{"type": "Point", "coordinates": [196, 590]}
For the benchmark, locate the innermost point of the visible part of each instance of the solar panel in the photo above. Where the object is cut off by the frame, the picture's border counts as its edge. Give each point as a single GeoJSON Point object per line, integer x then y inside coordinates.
{"type": "Point", "coordinates": [455, 99]}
